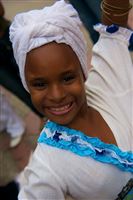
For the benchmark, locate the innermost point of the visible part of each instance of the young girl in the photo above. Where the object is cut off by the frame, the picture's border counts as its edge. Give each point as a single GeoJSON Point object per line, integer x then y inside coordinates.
{"type": "Point", "coordinates": [85, 148]}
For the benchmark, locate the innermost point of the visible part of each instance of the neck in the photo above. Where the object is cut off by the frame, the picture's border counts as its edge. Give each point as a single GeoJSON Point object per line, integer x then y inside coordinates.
{"type": "Point", "coordinates": [82, 122]}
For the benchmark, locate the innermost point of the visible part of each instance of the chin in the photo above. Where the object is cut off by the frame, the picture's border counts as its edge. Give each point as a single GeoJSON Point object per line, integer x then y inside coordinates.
{"type": "Point", "coordinates": [61, 122]}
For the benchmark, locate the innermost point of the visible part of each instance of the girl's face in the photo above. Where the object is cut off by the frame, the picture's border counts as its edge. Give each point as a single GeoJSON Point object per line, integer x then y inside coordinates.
{"type": "Point", "coordinates": [56, 83]}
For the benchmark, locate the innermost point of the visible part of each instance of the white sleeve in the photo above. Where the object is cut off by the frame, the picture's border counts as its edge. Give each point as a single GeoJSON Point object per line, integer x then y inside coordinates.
{"type": "Point", "coordinates": [109, 86]}
{"type": "Point", "coordinates": [9, 119]}
{"type": "Point", "coordinates": [41, 180]}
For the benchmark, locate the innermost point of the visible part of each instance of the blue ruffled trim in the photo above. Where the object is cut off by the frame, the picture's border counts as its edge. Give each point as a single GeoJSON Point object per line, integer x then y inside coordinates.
{"type": "Point", "coordinates": [125, 33]}
{"type": "Point", "coordinates": [77, 142]}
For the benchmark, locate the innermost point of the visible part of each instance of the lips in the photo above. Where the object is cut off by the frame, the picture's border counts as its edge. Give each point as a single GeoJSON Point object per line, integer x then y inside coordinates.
{"type": "Point", "coordinates": [60, 110]}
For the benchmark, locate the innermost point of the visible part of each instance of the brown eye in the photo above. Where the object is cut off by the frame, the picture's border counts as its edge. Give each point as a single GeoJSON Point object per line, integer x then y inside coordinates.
{"type": "Point", "coordinates": [69, 78]}
{"type": "Point", "coordinates": [39, 85]}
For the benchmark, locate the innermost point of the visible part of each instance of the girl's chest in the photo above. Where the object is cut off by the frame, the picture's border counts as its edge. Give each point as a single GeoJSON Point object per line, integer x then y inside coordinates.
{"type": "Point", "coordinates": [92, 180]}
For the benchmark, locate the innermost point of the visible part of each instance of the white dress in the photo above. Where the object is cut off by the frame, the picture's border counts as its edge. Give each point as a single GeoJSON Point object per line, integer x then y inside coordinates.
{"type": "Point", "coordinates": [66, 162]}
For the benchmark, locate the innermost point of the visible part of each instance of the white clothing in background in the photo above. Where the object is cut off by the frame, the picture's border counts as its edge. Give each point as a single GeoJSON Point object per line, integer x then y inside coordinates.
{"type": "Point", "coordinates": [9, 119]}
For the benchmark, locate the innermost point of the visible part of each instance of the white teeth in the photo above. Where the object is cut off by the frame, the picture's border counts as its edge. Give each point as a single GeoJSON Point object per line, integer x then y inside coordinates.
{"type": "Point", "coordinates": [61, 108]}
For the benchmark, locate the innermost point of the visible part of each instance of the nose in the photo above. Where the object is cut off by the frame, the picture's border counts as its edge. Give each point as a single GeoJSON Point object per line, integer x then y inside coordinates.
{"type": "Point", "coordinates": [56, 93]}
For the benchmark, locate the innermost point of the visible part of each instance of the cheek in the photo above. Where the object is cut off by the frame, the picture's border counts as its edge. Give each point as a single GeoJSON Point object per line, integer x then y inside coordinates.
{"type": "Point", "coordinates": [37, 99]}
{"type": "Point", "coordinates": [78, 90]}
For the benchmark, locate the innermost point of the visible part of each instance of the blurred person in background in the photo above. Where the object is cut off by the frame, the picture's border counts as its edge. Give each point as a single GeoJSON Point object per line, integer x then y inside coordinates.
{"type": "Point", "coordinates": [15, 149]}
{"type": "Point", "coordinates": [9, 75]}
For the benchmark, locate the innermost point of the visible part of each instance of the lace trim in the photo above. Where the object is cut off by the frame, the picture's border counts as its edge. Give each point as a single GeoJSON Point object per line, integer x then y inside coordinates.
{"type": "Point", "coordinates": [77, 142]}
{"type": "Point", "coordinates": [123, 33]}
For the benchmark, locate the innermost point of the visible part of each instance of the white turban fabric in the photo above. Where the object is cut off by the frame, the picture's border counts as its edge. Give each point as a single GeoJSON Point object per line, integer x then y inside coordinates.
{"type": "Point", "coordinates": [59, 23]}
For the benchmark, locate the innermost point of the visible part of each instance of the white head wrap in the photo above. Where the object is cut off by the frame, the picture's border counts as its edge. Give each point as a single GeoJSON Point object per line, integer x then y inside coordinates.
{"type": "Point", "coordinates": [32, 29]}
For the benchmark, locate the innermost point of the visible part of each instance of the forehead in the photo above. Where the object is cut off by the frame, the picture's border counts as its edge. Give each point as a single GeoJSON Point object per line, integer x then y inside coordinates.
{"type": "Point", "coordinates": [52, 50]}
{"type": "Point", "coordinates": [51, 56]}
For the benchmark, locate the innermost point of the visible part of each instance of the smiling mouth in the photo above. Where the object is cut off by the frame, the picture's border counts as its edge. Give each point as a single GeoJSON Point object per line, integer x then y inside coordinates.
{"type": "Point", "coordinates": [61, 110]}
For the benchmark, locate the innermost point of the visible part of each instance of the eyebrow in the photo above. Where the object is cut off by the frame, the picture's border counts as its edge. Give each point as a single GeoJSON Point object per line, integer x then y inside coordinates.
{"type": "Point", "coordinates": [68, 72]}
{"type": "Point", "coordinates": [33, 79]}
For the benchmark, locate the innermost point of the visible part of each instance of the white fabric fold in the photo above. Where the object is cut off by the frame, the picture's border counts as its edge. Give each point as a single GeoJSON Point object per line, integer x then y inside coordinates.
{"type": "Point", "coordinates": [32, 29]}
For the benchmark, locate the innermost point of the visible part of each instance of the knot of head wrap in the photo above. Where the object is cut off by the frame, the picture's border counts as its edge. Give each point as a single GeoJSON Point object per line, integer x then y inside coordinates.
{"type": "Point", "coordinates": [59, 23]}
